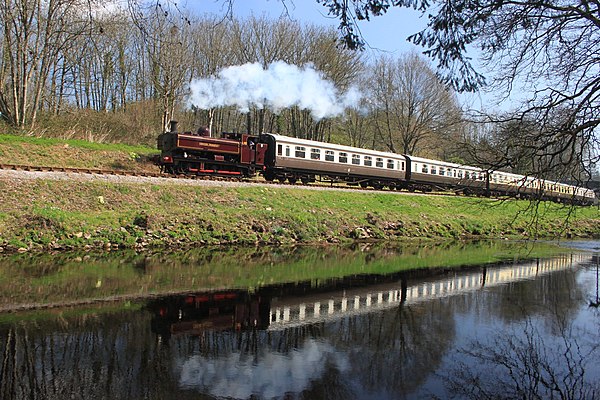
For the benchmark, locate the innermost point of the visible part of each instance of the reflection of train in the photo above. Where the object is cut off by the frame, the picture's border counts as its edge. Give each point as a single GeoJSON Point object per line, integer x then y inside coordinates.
{"type": "Point", "coordinates": [197, 312]}
{"type": "Point", "coordinates": [290, 305]}
{"type": "Point", "coordinates": [284, 158]}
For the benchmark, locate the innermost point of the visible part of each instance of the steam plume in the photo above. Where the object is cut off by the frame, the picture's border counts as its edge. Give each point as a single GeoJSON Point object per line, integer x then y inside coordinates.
{"type": "Point", "coordinates": [279, 86]}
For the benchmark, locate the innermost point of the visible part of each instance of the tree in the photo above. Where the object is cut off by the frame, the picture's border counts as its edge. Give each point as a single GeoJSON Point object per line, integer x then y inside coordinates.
{"type": "Point", "coordinates": [409, 104]}
{"type": "Point", "coordinates": [550, 48]}
{"type": "Point", "coordinates": [34, 35]}
{"type": "Point", "coordinates": [527, 147]}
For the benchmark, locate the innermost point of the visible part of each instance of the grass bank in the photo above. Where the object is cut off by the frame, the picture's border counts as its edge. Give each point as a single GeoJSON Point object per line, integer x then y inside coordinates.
{"type": "Point", "coordinates": [50, 152]}
{"type": "Point", "coordinates": [49, 214]}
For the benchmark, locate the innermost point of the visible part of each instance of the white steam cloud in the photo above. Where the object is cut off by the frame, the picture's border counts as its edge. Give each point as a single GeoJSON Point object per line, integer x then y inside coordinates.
{"type": "Point", "coordinates": [268, 375]}
{"type": "Point", "coordinates": [279, 86]}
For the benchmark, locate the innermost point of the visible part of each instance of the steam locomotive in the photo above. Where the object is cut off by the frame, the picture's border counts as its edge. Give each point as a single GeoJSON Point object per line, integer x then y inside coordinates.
{"type": "Point", "coordinates": [289, 159]}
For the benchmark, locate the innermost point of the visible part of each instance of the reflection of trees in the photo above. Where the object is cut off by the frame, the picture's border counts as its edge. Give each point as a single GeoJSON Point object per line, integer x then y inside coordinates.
{"type": "Point", "coordinates": [117, 356]}
{"type": "Point", "coordinates": [550, 295]}
{"type": "Point", "coordinates": [109, 357]}
{"type": "Point", "coordinates": [525, 364]}
{"type": "Point", "coordinates": [394, 351]}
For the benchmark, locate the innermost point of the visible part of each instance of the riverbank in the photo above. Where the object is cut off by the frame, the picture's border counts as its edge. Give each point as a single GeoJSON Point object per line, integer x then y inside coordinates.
{"type": "Point", "coordinates": [63, 214]}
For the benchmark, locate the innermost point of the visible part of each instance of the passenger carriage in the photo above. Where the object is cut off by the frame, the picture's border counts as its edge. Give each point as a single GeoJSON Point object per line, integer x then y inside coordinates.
{"type": "Point", "coordinates": [299, 159]}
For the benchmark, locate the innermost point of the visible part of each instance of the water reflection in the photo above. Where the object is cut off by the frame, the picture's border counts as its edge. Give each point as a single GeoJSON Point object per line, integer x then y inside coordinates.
{"type": "Point", "coordinates": [34, 280]}
{"type": "Point", "coordinates": [360, 336]}
{"type": "Point", "coordinates": [279, 307]}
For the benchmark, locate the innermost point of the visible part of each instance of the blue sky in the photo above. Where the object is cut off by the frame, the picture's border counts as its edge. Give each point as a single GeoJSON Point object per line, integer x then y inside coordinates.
{"type": "Point", "coordinates": [385, 33]}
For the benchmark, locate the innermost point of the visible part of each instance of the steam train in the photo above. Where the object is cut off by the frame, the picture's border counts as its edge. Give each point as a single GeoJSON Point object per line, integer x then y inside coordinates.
{"type": "Point", "coordinates": [284, 158]}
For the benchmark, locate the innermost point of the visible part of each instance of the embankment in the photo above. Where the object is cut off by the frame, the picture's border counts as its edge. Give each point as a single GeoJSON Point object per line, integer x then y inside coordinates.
{"type": "Point", "coordinates": [61, 214]}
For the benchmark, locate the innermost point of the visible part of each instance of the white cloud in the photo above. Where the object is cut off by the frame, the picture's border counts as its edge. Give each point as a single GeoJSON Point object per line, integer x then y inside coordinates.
{"type": "Point", "coordinates": [279, 86]}
{"type": "Point", "coordinates": [268, 375]}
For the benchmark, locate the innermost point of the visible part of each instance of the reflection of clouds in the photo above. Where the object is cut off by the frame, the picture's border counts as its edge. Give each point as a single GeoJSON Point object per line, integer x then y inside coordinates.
{"type": "Point", "coordinates": [267, 375]}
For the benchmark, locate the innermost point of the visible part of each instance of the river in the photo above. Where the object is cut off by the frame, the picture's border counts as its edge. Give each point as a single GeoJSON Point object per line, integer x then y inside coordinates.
{"type": "Point", "coordinates": [463, 320]}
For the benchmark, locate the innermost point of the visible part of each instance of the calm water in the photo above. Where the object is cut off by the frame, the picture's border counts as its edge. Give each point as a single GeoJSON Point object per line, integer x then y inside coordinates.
{"type": "Point", "coordinates": [390, 329]}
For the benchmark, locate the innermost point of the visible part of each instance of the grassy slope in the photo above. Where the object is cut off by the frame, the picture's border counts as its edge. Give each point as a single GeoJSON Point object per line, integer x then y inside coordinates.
{"type": "Point", "coordinates": [73, 153]}
{"type": "Point", "coordinates": [57, 214]}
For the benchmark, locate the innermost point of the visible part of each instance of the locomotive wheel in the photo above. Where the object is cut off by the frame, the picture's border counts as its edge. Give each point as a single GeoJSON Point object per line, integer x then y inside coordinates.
{"type": "Point", "coordinates": [292, 179]}
{"type": "Point", "coordinates": [364, 184]}
{"type": "Point", "coordinates": [305, 180]}
{"type": "Point", "coordinates": [269, 176]}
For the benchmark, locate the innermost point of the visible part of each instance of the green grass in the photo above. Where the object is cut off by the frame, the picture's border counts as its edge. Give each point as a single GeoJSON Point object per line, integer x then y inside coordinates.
{"type": "Point", "coordinates": [179, 215]}
{"type": "Point", "coordinates": [191, 215]}
{"type": "Point", "coordinates": [14, 140]}
{"type": "Point", "coordinates": [50, 152]}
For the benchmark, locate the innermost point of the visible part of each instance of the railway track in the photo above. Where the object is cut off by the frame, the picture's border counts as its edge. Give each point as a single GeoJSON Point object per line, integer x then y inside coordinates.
{"type": "Point", "coordinates": [319, 185]}
{"type": "Point", "coordinates": [19, 167]}
{"type": "Point", "coordinates": [258, 180]}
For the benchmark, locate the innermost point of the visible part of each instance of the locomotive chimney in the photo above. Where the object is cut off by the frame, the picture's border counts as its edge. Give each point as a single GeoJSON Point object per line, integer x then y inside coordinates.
{"type": "Point", "coordinates": [173, 126]}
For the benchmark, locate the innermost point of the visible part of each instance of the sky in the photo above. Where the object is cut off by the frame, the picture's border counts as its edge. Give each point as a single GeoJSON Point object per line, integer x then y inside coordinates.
{"type": "Point", "coordinates": [386, 33]}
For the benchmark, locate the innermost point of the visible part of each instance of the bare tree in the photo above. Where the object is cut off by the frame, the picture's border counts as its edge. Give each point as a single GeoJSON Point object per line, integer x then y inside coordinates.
{"type": "Point", "coordinates": [548, 49]}
{"type": "Point", "coordinates": [521, 365]}
{"type": "Point", "coordinates": [409, 104]}
{"type": "Point", "coordinates": [526, 147]}
{"type": "Point", "coordinates": [34, 34]}
{"type": "Point", "coordinates": [169, 56]}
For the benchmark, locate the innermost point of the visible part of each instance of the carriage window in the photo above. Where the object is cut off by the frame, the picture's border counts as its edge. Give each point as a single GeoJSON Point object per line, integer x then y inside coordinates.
{"type": "Point", "coordinates": [279, 149]}
{"type": "Point", "coordinates": [401, 166]}
{"type": "Point", "coordinates": [379, 162]}
{"type": "Point", "coordinates": [442, 171]}
{"type": "Point", "coordinates": [390, 164]}
{"type": "Point", "coordinates": [355, 159]}
{"type": "Point", "coordinates": [449, 173]}
{"type": "Point", "coordinates": [300, 152]}
{"type": "Point", "coordinates": [433, 170]}
{"type": "Point", "coordinates": [287, 151]}
{"type": "Point", "coordinates": [329, 155]}
{"type": "Point", "coordinates": [343, 158]}
{"type": "Point", "coordinates": [315, 154]}
{"type": "Point", "coordinates": [368, 161]}
{"type": "Point", "coordinates": [425, 169]}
